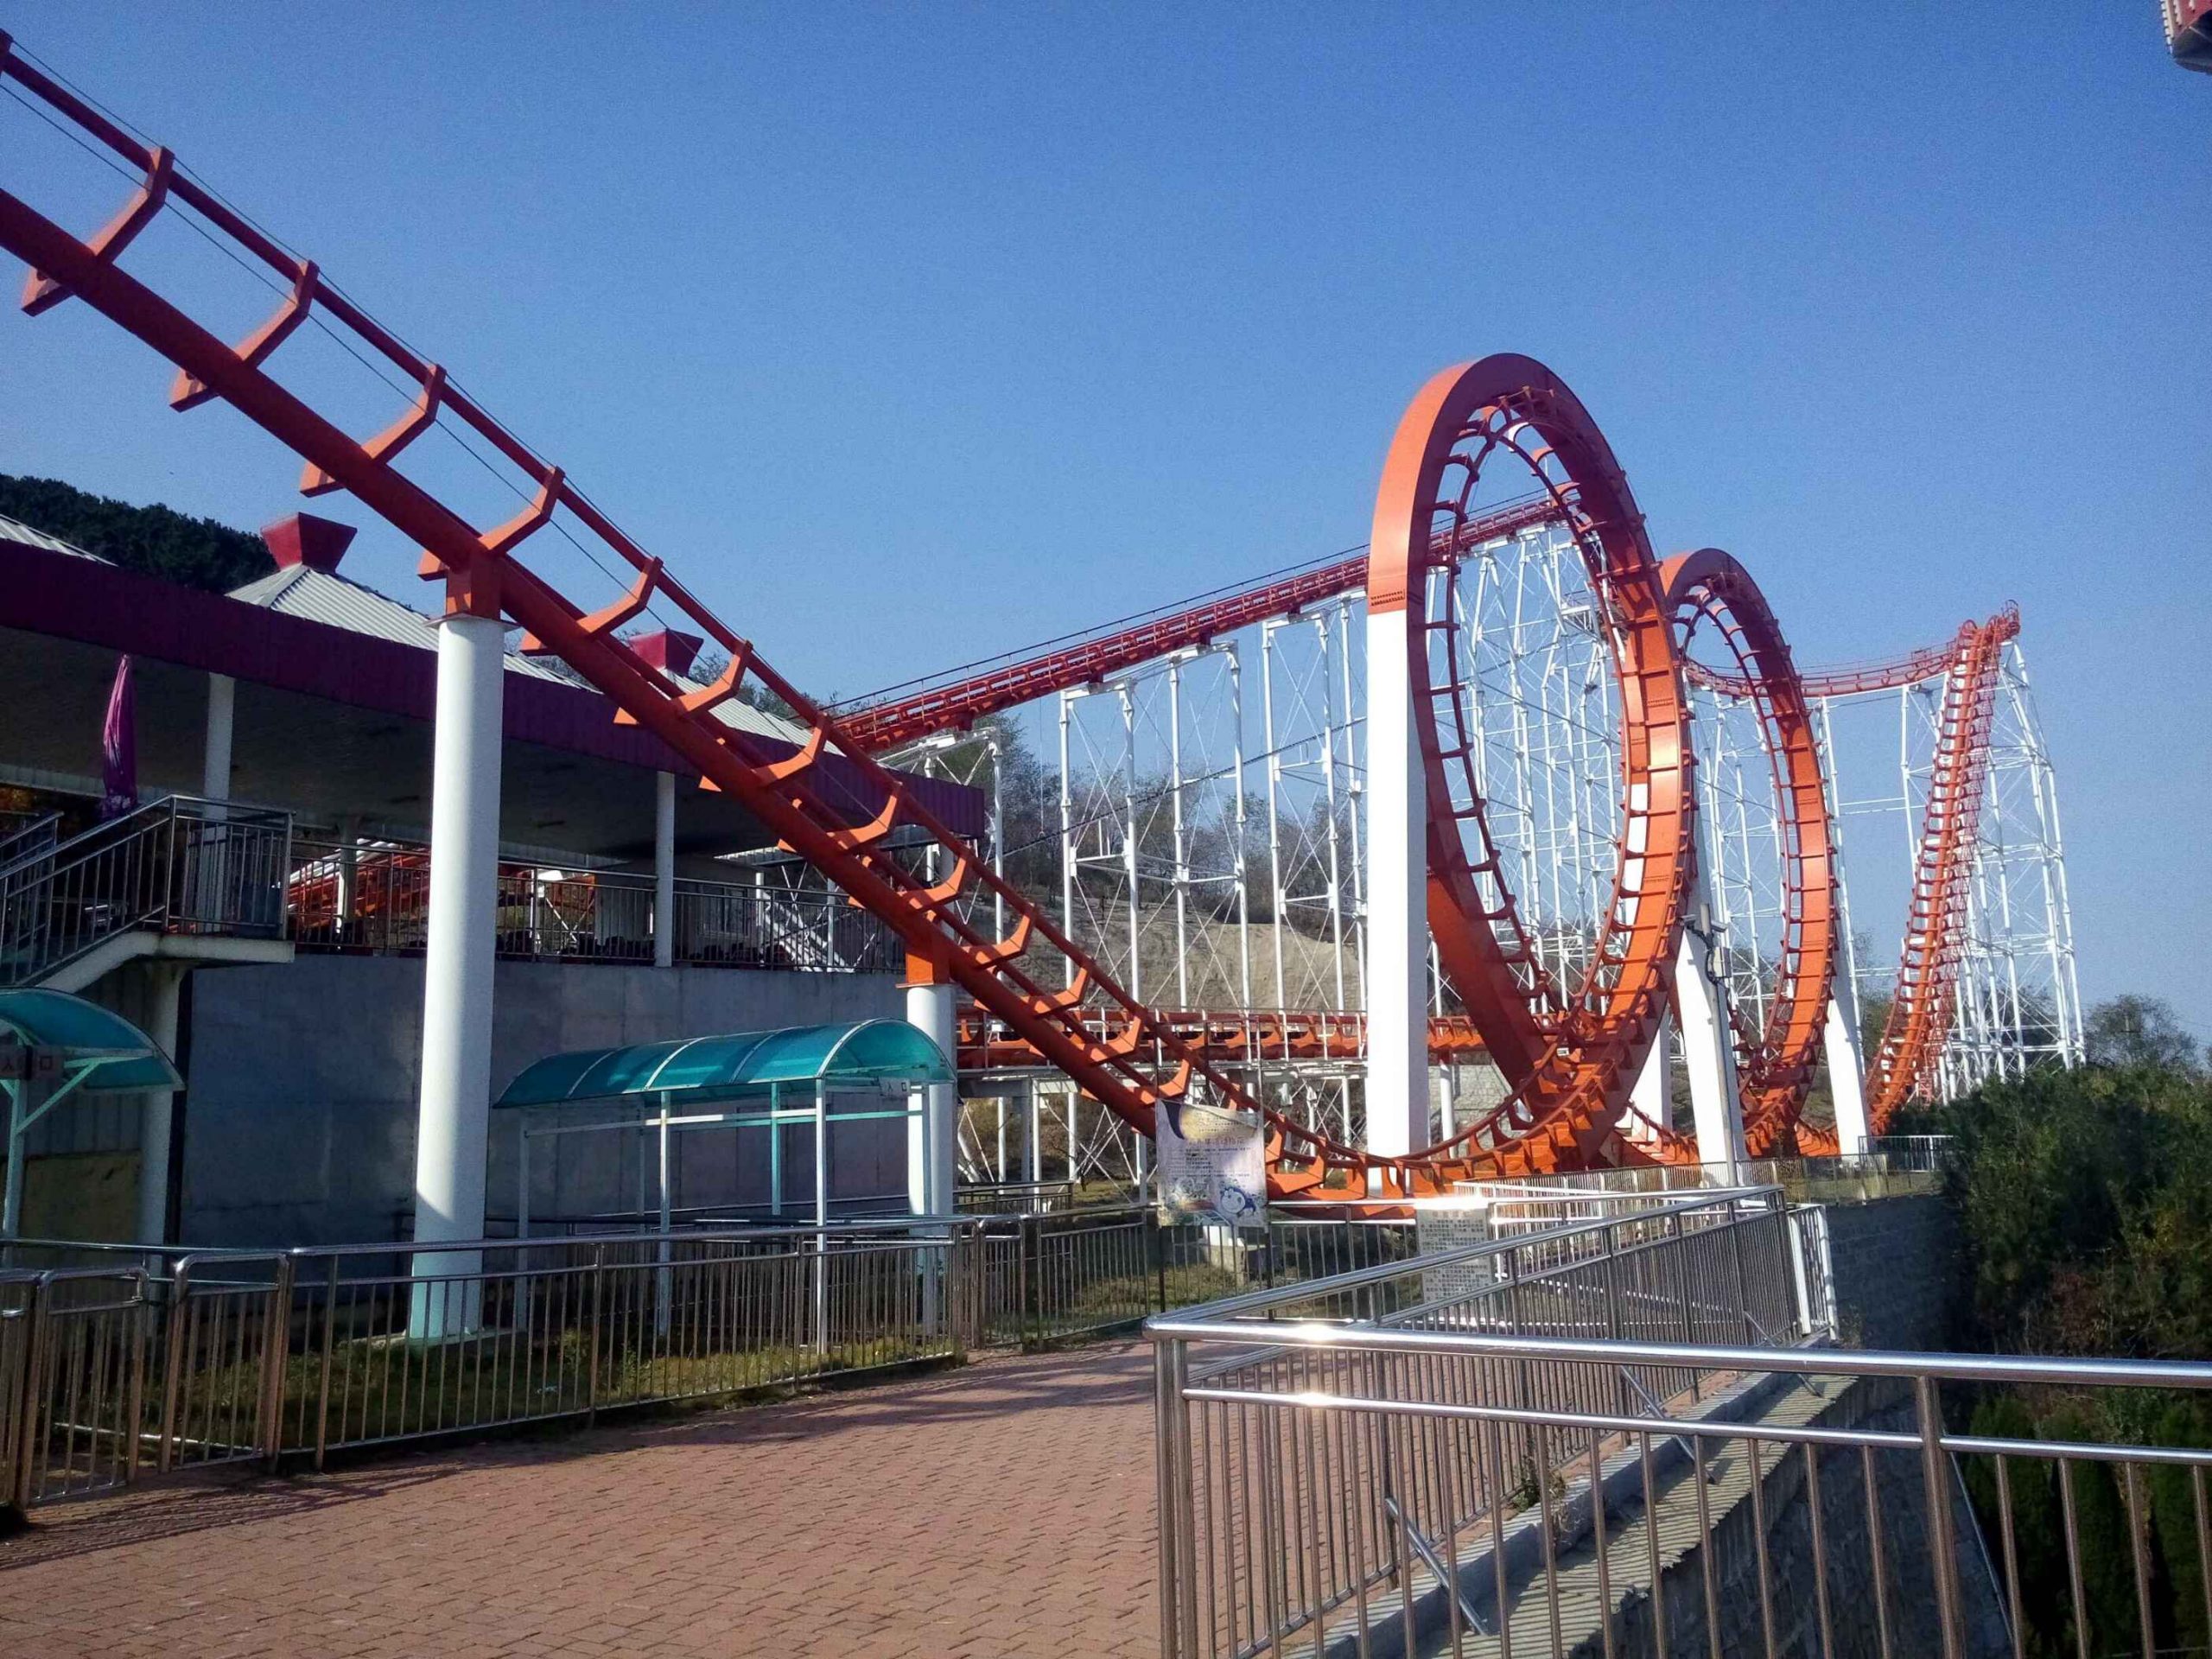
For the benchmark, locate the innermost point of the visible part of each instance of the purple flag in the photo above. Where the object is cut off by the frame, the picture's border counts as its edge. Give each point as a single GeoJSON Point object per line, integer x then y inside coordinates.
{"type": "Point", "coordinates": [119, 746]}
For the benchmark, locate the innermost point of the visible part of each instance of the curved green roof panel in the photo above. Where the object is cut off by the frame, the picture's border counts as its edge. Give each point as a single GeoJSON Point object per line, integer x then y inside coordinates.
{"type": "Point", "coordinates": [741, 1063]}
{"type": "Point", "coordinates": [112, 1054]}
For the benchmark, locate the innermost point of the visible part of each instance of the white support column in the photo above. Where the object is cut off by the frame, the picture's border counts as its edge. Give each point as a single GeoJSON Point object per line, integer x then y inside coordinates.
{"type": "Point", "coordinates": [1846, 1070]}
{"type": "Point", "coordinates": [210, 899]}
{"type": "Point", "coordinates": [663, 869]}
{"type": "Point", "coordinates": [157, 1115]}
{"type": "Point", "coordinates": [1653, 1096]}
{"type": "Point", "coordinates": [1397, 897]}
{"type": "Point", "coordinates": [454, 1118]}
{"type": "Point", "coordinates": [932, 1136]}
{"type": "Point", "coordinates": [1710, 1057]}
{"type": "Point", "coordinates": [222, 718]}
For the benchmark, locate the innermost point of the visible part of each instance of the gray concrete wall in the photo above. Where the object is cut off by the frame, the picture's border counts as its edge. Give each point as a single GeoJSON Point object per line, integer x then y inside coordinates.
{"type": "Point", "coordinates": [299, 1112]}
{"type": "Point", "coordinates": [1897, 1266]}
{"type": "Point", "coordinates": [1857, 1621]}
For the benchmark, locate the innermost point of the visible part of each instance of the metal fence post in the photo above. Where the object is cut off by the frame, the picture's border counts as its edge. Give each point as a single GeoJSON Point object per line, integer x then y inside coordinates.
{"type": "Point", "coordinates": [173, 1361]}
{"type": "Point", "coordinates": [598, 1293]}
{"type": "Point", "coordinates": [135, 1395]}
{"type": "Point", "coordinates": [1937, 1490]}
{"type": "Point", "coordinates": [275, 1349]}
{"type": "Point", "coordinates": [1029, 1290]}
{"type": "Point", "coordinates": [329, 1344]}
{"type": "Point", "coordinates": [1167, 1411]}
{"type": "Point", "coordinates": [1159, 1258]}
{"type": "Point", "coordinates": [28, 1413]}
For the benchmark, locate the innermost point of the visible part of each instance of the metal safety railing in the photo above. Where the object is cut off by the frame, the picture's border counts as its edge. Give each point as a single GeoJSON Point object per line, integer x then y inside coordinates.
{"type": "Point", "coordinates": [174, 1359]}
{"type": "Point", "coordinates": [1052, 1275]}
{"type": "Point", "coordinates": [1582, 1458]}
{"type": "Point", "coordinates": [178, 865]}
{"type": "Point", "coordinates": [1285, 1529]}
{"type": "Point", "coordinates": [373, 896]}
{"type": "Point", "coordinates": [1892, 1167]}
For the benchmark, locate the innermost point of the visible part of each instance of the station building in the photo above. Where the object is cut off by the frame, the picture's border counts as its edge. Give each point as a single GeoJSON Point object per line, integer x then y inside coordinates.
{"type": "Point", "coordinates": [263, 912]}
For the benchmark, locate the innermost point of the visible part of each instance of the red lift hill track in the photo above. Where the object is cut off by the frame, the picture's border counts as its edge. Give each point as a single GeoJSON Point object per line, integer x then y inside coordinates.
{"type": "Point", "coordinates": [1570, 1050]}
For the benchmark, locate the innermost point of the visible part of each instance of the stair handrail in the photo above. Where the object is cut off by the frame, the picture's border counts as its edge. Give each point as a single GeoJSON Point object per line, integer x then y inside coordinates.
{"type": "Point", "coordinates": [44, 828]}
{"type": "Point", "coordinates": [145, 889]}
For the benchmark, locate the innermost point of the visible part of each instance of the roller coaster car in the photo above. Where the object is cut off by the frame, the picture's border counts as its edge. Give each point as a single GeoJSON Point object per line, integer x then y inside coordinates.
{"type": "Point", "coordinates": [2189, 33]}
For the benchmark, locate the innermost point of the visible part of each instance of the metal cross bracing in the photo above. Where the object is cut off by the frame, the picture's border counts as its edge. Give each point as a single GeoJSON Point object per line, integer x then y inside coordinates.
{"type": "Point", "coordinates": [2018, 976]}
{"type": "Point", "coordinates": [825, 798]}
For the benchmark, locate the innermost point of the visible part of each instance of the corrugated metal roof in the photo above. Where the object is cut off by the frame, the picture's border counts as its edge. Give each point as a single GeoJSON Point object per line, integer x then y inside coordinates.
{"type": "Point", "coordinates": [317, 596]}
{"type": "Point", "coordinates": [14, 530]}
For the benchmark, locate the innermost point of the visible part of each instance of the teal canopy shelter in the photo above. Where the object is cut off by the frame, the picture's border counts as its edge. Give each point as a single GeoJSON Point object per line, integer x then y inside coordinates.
{"type": "Point", "coordinates": [701, 1069]}
{"type": "Point", "coordinates": [52, 1046]}
{"type": "Point", "coordinates": [787, 1093]}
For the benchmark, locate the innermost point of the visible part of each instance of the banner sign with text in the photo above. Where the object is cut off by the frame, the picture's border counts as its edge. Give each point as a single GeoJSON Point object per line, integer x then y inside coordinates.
{"type": "Point", "coordinates": [1214, 1171]}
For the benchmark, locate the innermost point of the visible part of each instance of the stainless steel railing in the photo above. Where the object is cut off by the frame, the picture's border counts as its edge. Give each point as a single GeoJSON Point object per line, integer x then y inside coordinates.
{"type": "Point", "coordinates": [178, 865]}
{"type": "Point", "coordinates": [168, 1359]}
{"type": "Point", "coordinates": [1051, 1275]}
{"type": "Point", "coordinates": [373, 896]}
{"type": "Point", "coordinates": [72, 1376]}
{"type": "Point", "coordinates": [1537, 1465]}
{"type": "Point", "coordinates": [1284, 1526]}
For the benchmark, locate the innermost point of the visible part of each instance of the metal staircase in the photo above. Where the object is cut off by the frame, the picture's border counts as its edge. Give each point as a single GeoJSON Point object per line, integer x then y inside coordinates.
{"type": "Point", "coordinates": [176, 865]}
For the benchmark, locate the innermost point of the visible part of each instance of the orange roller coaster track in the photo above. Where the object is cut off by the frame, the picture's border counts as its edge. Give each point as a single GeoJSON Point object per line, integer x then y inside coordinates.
{"type": "Point", "coordinates": [1906, 1064]}
{"type": "Point", "coordinates": [1709, 590]}
{"type": "Point", "coordinates": [1035, 981]}
{"type": "Point", "coordinates": [893, 723]}
{"type": "Point", "coordinates": [1570, 1050]}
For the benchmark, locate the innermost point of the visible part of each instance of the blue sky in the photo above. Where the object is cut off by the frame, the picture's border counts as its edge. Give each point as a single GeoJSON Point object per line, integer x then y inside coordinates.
{"type": "Point", "coordinates": [908, 334]}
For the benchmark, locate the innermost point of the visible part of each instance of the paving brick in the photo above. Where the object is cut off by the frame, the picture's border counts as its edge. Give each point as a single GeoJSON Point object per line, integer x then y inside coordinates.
{"type": "Point", "coordinates": [999, 1512]}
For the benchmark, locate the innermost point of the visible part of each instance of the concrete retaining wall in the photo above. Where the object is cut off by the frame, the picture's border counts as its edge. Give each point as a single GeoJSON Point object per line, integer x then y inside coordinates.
{"type": "Point", "coordinates": [1897, 1266]}
{"type": "Point", "coordinates": [299, 1119]}
{"type": "Point", "coordinates": [1903, 1620]}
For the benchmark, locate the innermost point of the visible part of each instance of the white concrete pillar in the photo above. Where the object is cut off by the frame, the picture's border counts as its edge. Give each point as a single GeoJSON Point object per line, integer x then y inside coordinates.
{"type": "Point", "coordinates": [454, 1118]}
{"type": "Point", "coordinates": [663, 869]}
{"type": "Point", "coordinates": [1653, 1097]}
{"type": "Point", "coordinates": [1846, 1068]}
{"type": "Point", "coordinates": [349, 878]}
{"type": "Point", "coordinates": [933, 1135]}
{"type": "Point", "coordinates": [157, 1115]}
{"type": "Point", "coordinates": [213, 902]}
{"type": "Point", "coordinates": [1397, 897]}
{"type": "Point", "coordinates": [1711, 1057]}
{"type": "Point", "coordinates": [222, 718]}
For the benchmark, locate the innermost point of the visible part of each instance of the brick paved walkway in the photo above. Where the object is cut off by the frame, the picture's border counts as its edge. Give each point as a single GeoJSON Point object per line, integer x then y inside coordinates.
{"type": "Point", "coordinates": [994, 1513]}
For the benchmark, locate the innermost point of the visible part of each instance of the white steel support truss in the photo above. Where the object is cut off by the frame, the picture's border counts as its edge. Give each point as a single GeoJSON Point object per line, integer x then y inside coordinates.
{"type": "Point", "coordinates": [2017, 1003]}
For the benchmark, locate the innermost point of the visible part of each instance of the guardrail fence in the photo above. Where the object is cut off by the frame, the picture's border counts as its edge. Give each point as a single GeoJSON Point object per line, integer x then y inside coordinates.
{"type": "Point", "coordinates": [212, 1356]}
{"type": "Point", "coordinates": [116, 1359]}
{"type": "Point", "coordinates": [1627, 1437]}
